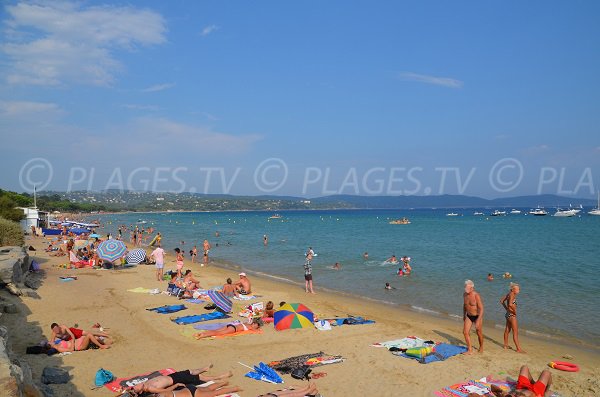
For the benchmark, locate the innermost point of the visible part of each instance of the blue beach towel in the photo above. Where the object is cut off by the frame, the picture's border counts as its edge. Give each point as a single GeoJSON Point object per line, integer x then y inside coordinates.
{"type": "Point", "coordinates": [168, 309]}
{"type": "Point", "coordinates": [349, 321]}
{"type": "Point", "coordinates": [199, 317]}
{"type": "Point", "coordinates": [442, 352]}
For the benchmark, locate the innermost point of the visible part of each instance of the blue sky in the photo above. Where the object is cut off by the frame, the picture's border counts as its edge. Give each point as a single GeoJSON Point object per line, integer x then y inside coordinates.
{"type": "Point", "coordinates": [352, 97]}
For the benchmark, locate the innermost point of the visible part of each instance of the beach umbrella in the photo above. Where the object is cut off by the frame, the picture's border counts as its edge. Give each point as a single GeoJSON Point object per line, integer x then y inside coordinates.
{"type": "Point", "coordinates": [136, 256]}
{"type": "Point", "coordinates": [95, 235]}
{"type": "Point", "coordinates": [293, 315]}
{"type": "Point", "coordinates": [78, 230]}
{"type": "Point", "coordinates": [265, 373]}
{"type": "Point", "coordinates": [220, 300]}
{"type": "Point", "coordinates": [111, 250]}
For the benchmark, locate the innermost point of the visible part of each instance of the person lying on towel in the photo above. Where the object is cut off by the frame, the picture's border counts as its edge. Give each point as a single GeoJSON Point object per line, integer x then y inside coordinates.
{"type": "Point", "coordinates": [526, 387]}
{"type": "Point", "coordinates": [184, 384]}
{"type": "Point", "coordinates": [232, 328]}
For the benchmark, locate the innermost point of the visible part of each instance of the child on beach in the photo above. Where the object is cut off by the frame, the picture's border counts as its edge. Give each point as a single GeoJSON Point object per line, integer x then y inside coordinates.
{"type": "Point", "coordinates": [269, 311]}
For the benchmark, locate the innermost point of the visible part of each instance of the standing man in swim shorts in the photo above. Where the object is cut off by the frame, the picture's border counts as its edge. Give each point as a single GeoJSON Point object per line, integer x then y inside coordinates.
{"type": "Point", "coordinates": [159, 256]}
{"type": "Point", "coordinates": [472, 315]}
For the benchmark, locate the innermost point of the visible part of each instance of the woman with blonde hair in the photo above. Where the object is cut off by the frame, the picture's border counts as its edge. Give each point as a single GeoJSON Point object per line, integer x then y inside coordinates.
{"type": "Point", "coordinates": [509, 302]}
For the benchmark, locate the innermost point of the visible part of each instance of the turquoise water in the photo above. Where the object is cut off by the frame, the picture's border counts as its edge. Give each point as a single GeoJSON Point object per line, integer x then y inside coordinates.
{"type": "Point", "coordinates": [554, 259]}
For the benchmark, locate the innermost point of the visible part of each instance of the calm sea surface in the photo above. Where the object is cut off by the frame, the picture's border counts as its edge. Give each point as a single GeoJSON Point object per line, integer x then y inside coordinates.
{"type": "Point", "coordinates": [556, 260]}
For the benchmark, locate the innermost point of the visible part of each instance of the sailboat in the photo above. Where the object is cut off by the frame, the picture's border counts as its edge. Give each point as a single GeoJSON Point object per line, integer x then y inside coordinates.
{"type": "Point", "coordinates": [596, 211]}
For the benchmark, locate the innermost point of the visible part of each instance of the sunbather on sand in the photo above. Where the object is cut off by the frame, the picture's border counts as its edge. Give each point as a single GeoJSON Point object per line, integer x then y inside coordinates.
{"type": "Point", "coordinates": [294, 391]}
{"type": "Point", "coordinates": [231, 328]}
{"type": "Point", "coordinates": [68, 333]}
{"type": "Point", "coordinates": [526, 387]}
{"type": "Point", "coordinates": [183, 384]}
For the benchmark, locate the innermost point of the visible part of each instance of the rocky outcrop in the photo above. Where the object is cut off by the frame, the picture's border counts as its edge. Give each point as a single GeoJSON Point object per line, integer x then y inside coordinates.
{"type": "Point", "coordinates": [14, 268]}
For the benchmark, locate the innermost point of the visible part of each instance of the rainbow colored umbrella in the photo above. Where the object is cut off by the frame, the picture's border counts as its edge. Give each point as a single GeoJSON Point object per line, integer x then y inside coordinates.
{"type": "Point", "coordinates": [293, 315]}
{"type": "Point", "coordinates": [111, 250]}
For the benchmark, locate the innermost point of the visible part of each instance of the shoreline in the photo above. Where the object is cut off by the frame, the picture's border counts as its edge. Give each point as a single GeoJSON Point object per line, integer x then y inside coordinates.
{"type": "Point", "coordinates": [147, 341]}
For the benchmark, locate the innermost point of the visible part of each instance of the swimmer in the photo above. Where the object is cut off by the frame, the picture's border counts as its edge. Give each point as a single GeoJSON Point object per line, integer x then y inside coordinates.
{"type": "Point", "coordinates": [337, 266]}
{"type": "Point", "coordinates": [400, 272]}
{"type": "Point", "coordinates": [507, 275]}
{"type": "Point", "coordinates": [392, 259]}
{"type": "Point", "coordinates": [490, 277]}
{"type": "Point", "coordinates": [366, 256]}
{"type": "Point", "coordinates": [388, 286]}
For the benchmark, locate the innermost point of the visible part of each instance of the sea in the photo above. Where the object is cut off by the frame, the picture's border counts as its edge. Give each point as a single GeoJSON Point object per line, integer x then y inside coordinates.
{"type": "Point", "coordinates": [555, 260]}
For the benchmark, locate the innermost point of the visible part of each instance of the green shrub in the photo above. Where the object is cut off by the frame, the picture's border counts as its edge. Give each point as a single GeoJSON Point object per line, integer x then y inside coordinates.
{"type": "Point", "coordinates": [10, 233]}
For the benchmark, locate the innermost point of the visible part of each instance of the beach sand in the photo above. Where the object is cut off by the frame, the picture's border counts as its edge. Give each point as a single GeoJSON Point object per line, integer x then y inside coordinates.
{"type": "Point", "coordinates": [147, 341]}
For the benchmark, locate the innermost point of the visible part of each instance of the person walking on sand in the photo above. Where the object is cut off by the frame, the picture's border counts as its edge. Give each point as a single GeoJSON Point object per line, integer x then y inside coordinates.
{"type": "Point", "coordinates": [308, 278]}
{"type": "Point", "coordinates": [509, 302]}
{"type": "Point", "coordinates": [206, 247]}
{"type": "Point", "coordinates": [472, 315]}
{"type": "Point", "coordinates": [159, 257]}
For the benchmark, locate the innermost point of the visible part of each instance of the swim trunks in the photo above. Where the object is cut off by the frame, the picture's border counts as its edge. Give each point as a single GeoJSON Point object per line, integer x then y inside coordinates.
{"type": "Point", "coordinates": [159, 265]}
{"type": "Point", "coordinates": [186, 378]}
{"type": "Point", "coordinates": [538, 388]}
{"type": "Point", "coordinates": [308, 277]}
{"type": "Point", "coordinates": [472, 317]}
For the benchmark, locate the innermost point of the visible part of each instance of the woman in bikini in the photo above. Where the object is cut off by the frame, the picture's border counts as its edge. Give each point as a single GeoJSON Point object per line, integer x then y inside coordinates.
{"type": "Point", "coordinates": [509, 302]}
{"type": "Point", "coordinates": [185, 384]}
{"type": "Point", "coordinates": [231, 328]}
{"type": "Point", "coordinates": [179, 261]}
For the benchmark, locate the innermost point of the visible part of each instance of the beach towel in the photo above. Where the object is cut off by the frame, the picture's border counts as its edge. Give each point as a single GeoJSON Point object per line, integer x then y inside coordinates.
{"type": "Point", "coordinates": [244, 297]}
{"type": "Point", "coordinates": [404, 343]}
{"type": "Point", "coordinates": [195, 301]}
{"type": "Point", "coordinates": [349, 321]}
{"type": "Point", "coordinates": [199, 317]}
{"type": "Point", "coordinates": [481, 387]}
{"type": "Point", "coordinates": [229, 395]}
{"type": "Point", "coordinates": [442, 352]}
{"type": "Point", "coordinates": [168, 309]}
{"type": "Point", "coordinates": [120, 384]}
{"type": "Point", "coordinates": [287, 365]}
{"type": "Point", "coordinates": [239, 333]}
{"type": "Point", "coordinates": [210, 326]}
{"type": "Point", "coordinates": [140, 290]}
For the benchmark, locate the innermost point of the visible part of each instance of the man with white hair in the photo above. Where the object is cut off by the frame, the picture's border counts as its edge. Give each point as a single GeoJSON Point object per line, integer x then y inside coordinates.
{"type": "Point", "coordinates": [472, 315]}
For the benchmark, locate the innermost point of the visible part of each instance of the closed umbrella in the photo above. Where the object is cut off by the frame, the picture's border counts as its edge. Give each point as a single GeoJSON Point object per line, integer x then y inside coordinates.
{"type": "Point", "coordinates": [111, 250]}
{"type": "Point", "coordinates": [265, 373]}
{"type": "Point", "coordinates": [136, 256]}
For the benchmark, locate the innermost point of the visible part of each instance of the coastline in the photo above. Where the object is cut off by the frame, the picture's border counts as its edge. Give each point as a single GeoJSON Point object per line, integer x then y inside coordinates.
{"type": "Point", "coordinates": [147, 341]}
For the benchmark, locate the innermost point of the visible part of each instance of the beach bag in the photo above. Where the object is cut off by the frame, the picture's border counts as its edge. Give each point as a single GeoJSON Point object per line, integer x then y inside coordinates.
{"type": "Point", "coordinates": [419, 352]}
{"type": "Point", "coordinates": [301, 373]}
{"type": "Point", "coordinates": [103, 377]}
{"type": "Point", "coordinates": [34, 267]}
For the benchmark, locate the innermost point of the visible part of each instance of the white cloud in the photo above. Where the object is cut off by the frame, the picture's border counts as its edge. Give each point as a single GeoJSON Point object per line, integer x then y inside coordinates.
{"type": "Point", "coordinates": [58, 42]}
{"type": "Point", "coordinates": [159, 87]}
{"type": "Point", "coordinates": [208, 30]}
{"type": "Point", "coordinates": [25, 108]}
{"type": "Point", "coordinates": [423, 78]}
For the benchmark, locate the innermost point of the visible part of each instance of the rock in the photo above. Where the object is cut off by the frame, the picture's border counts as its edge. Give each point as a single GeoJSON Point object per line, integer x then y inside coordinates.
{"type": "Point", "coordinates": [3, 331]}
{"type": "Point", "coordinates": [32, 282]}
{"type": "Point", "coordinates": [46, 390]}
{"type": "Point", "coordinates": [14, 264]}
{"type": "Point", "coordinates": [13, 289]}
{"type": "Point", "coordinates": [52, 375]}
{"type": "Point", "coordinates": [10, 308]}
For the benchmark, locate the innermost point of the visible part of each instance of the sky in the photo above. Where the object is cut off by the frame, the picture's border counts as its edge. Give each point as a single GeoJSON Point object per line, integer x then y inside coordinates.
{"type": "Point", "coordinates": [487, 99]}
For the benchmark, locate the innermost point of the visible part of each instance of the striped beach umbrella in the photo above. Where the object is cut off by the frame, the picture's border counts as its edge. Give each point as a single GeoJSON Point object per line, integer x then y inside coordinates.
{"type": "Point", "coordinates": [293, 315]}
{"type": "Point", "coordinates": [220, 300]}
{"type": "Point", "coordinates": [136, 256]}
{"type": "Point", "coordinates": [111, 250]}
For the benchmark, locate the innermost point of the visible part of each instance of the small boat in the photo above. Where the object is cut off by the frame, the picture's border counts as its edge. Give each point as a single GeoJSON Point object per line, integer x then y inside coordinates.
{"type": "Point", "coordinates": [403, 221]}
{"type": "Point", "coordinates": [498, 213]}
{"type": "Point", "coordinates": [477, 213]}
{"type": "Point", "coordinates": [141, 222]}
{"type": "Point", "coordinates": [513, 211]}
{"type": "Point", "coordinates": [596, 211]}
{"type": "Point", "coordinates": [452, 214]}
{"type": "Point", "coordinates": [565, 213]}
{"type": "Point", "coordinates": [275, 216]}
{"type": "Point", "coordinates": [538, 212]}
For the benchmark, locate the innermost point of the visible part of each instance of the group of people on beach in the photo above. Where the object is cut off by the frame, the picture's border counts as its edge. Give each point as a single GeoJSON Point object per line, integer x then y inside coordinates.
{"type": "Point", "coordinates": [473, 311]}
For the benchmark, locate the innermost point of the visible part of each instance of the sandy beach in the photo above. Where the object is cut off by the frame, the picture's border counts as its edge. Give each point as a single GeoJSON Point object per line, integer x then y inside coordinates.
{"type": "Point", "coordinates": [147, 341]}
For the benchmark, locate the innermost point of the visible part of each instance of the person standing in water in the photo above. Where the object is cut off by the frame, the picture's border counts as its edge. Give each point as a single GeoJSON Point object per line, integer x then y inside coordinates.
{"type": "Point", "coordinates": [206, 247]}
{"type": "Point", "coordinates": [472, 315]}
{"type": "Point", "coordinates": [194, 254]}
{"type": "Point", "coordinates": [509, 303]}
{"type": "Point", "coordinates": [265, 240]}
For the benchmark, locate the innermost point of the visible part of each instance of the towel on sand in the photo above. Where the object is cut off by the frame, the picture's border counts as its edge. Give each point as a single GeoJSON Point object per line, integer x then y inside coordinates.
{"type": "Point", "coordinates": [349, 321]}
{"type": "Point", "coordinates": [168, 309]}
{"type": "Point", "coordinates": [196, 301]}
{"type": "Point", "coordinates": [404, 343]}
{"type": "Point", "coordinates": [250, 331]}
{"type": "Point", "coordinates": [140, 290]}
{"type": "Point", "coordinates": [199, 317]}
{"type": "Point", "coordinates": [210, 326]}
{"type": "Point", "coordinates": [442, 352]}
{"type": "Point", "coordinates": [120, 384]}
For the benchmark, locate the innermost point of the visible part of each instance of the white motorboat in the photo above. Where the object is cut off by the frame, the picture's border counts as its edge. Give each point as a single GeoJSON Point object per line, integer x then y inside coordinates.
{"type": "Point", "coordinates": [498, 213]}
{"type": "Point", "coordinates": [596, 211]}
{"type": "Point", "coordinates": [515, 211]}
{"type": "Point", "coordinates": [477, 213]}
{"type": "Point", "coordinates": [538, 212]}
{"type": "Point", "coordinates": [565, 213]}
{"type": "Point", "coordinates": [452, 214]}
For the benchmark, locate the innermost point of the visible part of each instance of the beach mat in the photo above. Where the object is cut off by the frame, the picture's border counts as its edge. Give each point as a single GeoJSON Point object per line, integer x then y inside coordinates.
{"type": "Point", "coordinates": [404, 343]}
{"type": "Point", "coordinates": [249, 331]}
{"type": "Point", "coordinates": [120, 384]}
{"type": "Point", "coordinates": [168, 309]}
{"type": "Point", "coordinates": [140, 290]}
{"type": "Point", "coordinates": [199, 318]}
{"type": "Point", "coordinates": [349, 321]}
{"type": "Point", "coordinates": [287, 365]}
{"type": "Point", "coordinates": [482, 387]}
{"type": "Point", "coordinates": [442, 352]}
{"type": "Point", "coordinates": [195, 301]}
{"type": "Point", "coordinates": [209, 326]}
